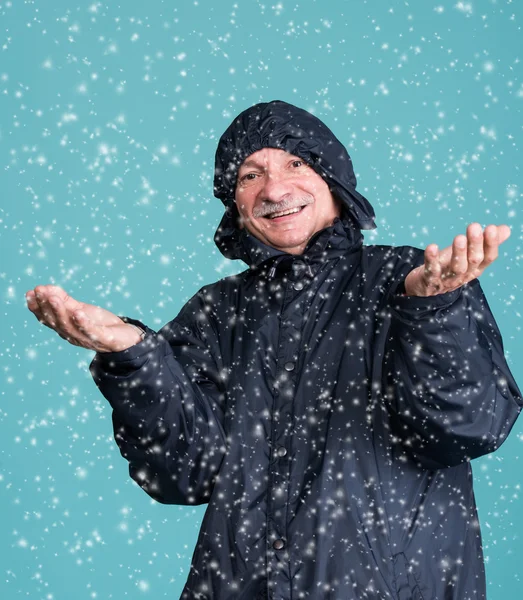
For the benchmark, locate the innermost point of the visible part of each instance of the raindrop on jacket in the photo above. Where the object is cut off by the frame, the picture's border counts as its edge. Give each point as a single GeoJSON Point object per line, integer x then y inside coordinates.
{"type": "Point", "coordinates": [327, 419]}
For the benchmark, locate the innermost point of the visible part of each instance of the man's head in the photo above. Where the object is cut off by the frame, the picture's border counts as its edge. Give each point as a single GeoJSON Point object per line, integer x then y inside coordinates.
{"type": "Point", "coordinates": [271, 181]}
{"type": "Point", "coordinates": [273, 134]}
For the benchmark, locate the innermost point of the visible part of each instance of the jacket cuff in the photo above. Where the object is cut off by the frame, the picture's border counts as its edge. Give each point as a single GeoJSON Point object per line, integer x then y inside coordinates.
{"type": "Point", "coordinates": [417, 304]}
{"type": "Point", "coordinates": [148, 343]}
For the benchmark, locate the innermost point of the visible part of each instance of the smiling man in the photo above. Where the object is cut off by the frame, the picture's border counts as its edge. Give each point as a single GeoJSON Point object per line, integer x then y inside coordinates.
{"type": "Point", "coordinates": [282, 201]}
{"type": "Point", "coordinates": [327, 401]}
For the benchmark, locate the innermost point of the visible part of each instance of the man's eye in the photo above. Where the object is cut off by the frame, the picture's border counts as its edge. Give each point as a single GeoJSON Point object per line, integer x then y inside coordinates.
{"type": "Point", "coordinates": [244, 178]}
{"type": "Point", "coordinates": [298, 161]}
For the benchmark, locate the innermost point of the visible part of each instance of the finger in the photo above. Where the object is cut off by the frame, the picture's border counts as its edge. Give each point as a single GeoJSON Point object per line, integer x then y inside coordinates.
{"type": "Point", "coordinates": [32, 305]}
{"type": "Point", "coordinates": [475, 248]}
{"type": "Point", "coordinates": [79, 327]}
{"type": "Point", "coordinates": [51, 290]}
{"type": "Point", "coordinates": [70, 303]}
{"type": "Point", "coordinates": [43, 295]}
{"type": "Point", "coordinates": [490, 245]}
{"type": "Point", "coordinates": [63, 322]}
{"type": "Point", "coordinates": [455, 267]}
{"type": "Point", "coordinates": [45, 315]}
{"type": "Point", "coordinates": [432, 270]}
{"type": "Point", "coordinates": [74, 327]}
{"type": "Point", "coordinates": [30, 298]}
{"type": "Point", "coordinates": [50, 313]}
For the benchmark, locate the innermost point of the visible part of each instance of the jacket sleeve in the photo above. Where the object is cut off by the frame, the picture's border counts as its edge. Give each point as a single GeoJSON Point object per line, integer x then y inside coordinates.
{"type": "Point", "coordinates": [167, 396]}
{"type": "Point", "coordinates": [447, 384]}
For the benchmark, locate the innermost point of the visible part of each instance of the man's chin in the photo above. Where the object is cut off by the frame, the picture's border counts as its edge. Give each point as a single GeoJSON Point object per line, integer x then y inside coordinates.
{"type": "Point", "coordinates": [289, 245]}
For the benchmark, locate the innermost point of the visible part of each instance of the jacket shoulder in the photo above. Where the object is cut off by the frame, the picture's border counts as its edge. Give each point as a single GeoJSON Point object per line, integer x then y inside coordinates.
{"type": "Point", "coordinates": [394, 257]}
{"type": "Point", "coordinates": [205, 304]}
{"type": "Point", "coordinates": [226, 284]}
{"type": "Point", "coordinates": [386, 267]}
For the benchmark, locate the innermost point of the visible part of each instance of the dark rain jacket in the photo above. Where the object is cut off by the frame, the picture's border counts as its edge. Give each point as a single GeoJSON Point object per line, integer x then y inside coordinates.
{"type": "Point", "coordinates": [328, 420]}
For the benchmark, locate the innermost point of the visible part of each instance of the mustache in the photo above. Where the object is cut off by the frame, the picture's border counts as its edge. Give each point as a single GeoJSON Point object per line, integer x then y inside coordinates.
{"type": "Point", "coordinates": [272, 207]}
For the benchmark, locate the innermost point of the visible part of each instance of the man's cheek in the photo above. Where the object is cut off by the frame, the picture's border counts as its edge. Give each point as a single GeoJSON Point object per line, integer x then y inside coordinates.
{"type": "Point", "coordinates": [239, 220]}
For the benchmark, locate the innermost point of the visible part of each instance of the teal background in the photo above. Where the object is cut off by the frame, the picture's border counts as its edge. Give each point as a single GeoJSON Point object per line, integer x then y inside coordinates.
{"type": "Point", "coordinates": [109, 120]}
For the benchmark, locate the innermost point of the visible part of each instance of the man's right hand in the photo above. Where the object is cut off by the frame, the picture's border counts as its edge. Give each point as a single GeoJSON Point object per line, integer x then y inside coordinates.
{"type": "Point", "coordinates": [98, 329]}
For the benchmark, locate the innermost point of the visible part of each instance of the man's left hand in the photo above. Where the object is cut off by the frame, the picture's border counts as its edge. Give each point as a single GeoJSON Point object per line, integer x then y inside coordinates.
{"type": "Point", "coordinates": [464, 260]}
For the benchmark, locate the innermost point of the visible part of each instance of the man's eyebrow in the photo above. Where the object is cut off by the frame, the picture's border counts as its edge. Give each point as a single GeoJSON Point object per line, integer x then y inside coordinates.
{"type": "Point", "coordinates": [251, 163]}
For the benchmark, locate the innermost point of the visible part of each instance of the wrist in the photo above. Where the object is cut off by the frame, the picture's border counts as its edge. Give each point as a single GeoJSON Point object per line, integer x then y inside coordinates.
{"type": "Point", "coordinates": [139, 331]}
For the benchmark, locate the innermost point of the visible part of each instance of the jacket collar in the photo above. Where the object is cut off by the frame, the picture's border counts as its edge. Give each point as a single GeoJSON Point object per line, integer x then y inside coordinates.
{"type": "Point", "coordinates": [339, 238]}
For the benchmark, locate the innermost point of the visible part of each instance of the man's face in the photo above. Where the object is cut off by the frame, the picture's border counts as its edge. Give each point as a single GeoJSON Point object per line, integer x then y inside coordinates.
{"type": "Point", "coordinates": [271, 181]}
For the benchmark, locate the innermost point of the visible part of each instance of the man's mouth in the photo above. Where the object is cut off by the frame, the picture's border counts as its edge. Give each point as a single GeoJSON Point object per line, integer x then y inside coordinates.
{"type": "Point", "coordinates": [284, 213]}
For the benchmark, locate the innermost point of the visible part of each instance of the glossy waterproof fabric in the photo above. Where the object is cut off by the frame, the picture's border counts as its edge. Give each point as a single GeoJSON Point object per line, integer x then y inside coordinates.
{"type": "Point", "coordinates": [278, 124]}
{"type": "Point", "coordinates": [327, 420]}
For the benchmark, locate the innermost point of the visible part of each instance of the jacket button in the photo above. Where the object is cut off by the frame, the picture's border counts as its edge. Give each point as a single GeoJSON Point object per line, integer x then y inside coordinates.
{"type": "Point", "coordinates": [298, 285]}
{"type": "Point", "coordinates": [282, 451]}
{"type": "Point", "coordinates": [278, 544]}
{"type": "Point", "coordinates": [289, 366]}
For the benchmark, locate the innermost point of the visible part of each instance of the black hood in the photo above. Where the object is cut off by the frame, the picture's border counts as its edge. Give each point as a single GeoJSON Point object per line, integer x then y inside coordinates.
{"type": "Point", "coordinates": [277, 124]}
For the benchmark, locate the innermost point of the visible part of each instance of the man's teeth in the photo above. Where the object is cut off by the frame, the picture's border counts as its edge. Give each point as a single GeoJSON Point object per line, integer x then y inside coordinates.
{"type": "Point", "coordinates": [285, 212]}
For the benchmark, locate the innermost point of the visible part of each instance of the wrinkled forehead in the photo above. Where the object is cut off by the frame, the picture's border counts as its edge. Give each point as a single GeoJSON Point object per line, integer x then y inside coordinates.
{"type": "Point", "coordinates": [262, 158]}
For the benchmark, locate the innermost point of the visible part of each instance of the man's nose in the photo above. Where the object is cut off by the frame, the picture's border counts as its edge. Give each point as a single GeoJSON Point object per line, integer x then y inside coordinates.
{"type": "Point", "coordinates": [275, 188]}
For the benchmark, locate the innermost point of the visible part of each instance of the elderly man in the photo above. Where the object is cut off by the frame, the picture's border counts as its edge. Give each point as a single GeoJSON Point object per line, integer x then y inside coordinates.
{"type": "Point", "coordinates": [327, 401]}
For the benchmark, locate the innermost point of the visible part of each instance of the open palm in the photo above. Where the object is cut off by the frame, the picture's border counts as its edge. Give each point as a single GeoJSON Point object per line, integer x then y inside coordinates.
{"type": "Point", "coordinates": [464, 260]}
{"type": "Point", "coordinates": [79, 323]}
